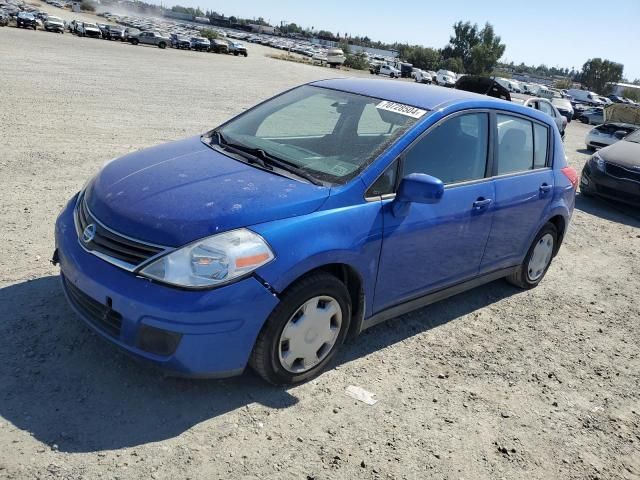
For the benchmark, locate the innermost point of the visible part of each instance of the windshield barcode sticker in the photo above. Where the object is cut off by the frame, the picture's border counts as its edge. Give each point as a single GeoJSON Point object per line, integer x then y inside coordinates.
{"type": "Point", "coordinates": [401, 108]}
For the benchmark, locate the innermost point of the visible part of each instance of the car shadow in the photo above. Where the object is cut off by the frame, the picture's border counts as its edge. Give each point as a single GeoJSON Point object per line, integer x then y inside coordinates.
{"type": "Point", "coordinates": [69, 388]}
{"type": "Point", "coordinates": [609, 210]}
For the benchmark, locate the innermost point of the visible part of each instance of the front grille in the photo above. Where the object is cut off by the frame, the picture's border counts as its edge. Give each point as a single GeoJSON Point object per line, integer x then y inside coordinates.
{"type": "Point", "coordinates": [99, 315]}
{"type": "Point", "coordinates": [621, 172]}
{"type": "Point", "coordinates": [111, 244]}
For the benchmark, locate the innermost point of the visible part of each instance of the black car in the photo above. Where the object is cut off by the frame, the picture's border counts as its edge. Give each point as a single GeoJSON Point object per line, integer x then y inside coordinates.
{"type": "Point", "coordinates": [614, 171]}
{"type": "Point", "coordinates": [26, 20]}
{"type": "Point", "coordinates": [482, 85]}
{"type": "Point", "coordinates": [180, 41]}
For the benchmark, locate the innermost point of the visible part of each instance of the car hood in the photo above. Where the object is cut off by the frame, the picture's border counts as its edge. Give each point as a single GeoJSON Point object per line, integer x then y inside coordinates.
{"type": "Point", "coordinates": [623, 153]}
{"type": "Point", "coordinates": [622, 113]}
{"type": "Point", "coordinates": [178, 192]}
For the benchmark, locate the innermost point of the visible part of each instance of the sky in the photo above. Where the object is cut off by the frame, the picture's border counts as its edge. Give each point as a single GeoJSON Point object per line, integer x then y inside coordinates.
{"type": "Point", "coordinates": [557, 33]}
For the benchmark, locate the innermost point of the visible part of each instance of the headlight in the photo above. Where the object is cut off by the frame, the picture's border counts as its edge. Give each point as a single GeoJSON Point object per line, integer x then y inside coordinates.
{"type": "Point", "coordinates": [211, 261]}
{"type": "Point", "coordinates": [599, 162]}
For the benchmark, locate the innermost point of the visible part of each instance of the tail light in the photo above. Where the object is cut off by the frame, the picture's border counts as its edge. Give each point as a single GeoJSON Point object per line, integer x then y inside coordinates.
{"type": "Point", "coordinates": [571, 175]}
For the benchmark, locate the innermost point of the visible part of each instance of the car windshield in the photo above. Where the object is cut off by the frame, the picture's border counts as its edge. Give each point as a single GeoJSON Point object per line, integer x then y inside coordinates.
{"type": "Point", "coordinates": [329, 135]}
{"type": "Point", "coordinates": [633, 137]}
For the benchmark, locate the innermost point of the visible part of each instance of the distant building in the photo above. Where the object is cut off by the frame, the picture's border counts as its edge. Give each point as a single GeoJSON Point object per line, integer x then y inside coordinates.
{"type": "Point", "coordinates": [619, 88]}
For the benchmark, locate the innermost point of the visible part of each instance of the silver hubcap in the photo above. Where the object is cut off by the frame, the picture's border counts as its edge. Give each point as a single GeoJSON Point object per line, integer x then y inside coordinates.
{"type": "Point", "coordinates": [540, 258]}
{"type": "Point", "coordinates": [310, 334]}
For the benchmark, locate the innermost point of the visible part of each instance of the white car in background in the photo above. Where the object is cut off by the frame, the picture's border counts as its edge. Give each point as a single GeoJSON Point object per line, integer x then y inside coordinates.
{"type": "Point", "coordinates": [446, 78]}
{"type": "Point", "coordinates": [549, 108]}
{"type": "Point", "coordinates": [423, 77]}
{"type": "Point", "coordinates": [387, 69]}
{"type": "Point", "coordinates": [335, 57]}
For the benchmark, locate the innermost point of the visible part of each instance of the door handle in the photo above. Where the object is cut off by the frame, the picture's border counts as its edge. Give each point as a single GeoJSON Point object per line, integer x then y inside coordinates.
{"type": "Point", "coordinates": [545, 188]}
{"type": "Point", "coordinates": [481, 203]}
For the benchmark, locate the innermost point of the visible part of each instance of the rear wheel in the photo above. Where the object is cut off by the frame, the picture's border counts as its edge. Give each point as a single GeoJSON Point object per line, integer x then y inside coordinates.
{"type": "Point", "coordinates": [162, 45]}
{"type": "Point", "coordinates": [303, 333]}
{"type": "Point", "coordinates": [538, 258]}
{"type": "Point", "coordinates": [135, 41]}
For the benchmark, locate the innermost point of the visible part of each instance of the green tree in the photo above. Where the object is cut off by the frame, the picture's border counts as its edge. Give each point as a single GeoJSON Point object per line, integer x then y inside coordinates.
{"type": "Point", "coordinates": [597, 73]}
{"type": "Point", "coordinates": [478, 49]}
{"type": "Point", "coordinates": [357, 61]}
{"type": "Point", "coordinates": [632, 93]}
{"type": "Point", "coordinates": [455, 64]}
{"type": "Point", "coordinates": [208, 33]}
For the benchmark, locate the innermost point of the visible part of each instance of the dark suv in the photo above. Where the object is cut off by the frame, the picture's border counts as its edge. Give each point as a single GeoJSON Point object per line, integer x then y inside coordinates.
{"type": "Point", "coordinates": [26, 20]}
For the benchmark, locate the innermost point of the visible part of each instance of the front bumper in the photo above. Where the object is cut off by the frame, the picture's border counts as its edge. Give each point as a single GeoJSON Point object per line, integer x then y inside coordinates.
{"type": "Point", "coordinates": [216, 329]}
{"type": "Point", "coordinates": [594, 182]}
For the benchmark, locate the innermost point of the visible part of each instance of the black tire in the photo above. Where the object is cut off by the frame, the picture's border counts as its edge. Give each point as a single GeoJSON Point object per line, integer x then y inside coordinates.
{"type": "Point", "coordinates": [245, 55]}
{"type": "Point", "coordinates": [235, 54]}
{"type": "Point", "coordinates": [520, 278]}
{"type": "Point", "coordinates": [135, 41]}
{"type": "Point", "coordinates": [162, 45]}
{"type": "Point", "coordinates": [393, 75]}
{"type": "Point", "coordinates": [265, 358]}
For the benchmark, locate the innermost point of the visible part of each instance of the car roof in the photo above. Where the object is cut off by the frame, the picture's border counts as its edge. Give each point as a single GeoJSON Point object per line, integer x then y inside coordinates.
{"type": "Point", "coordinates": [428, 97]}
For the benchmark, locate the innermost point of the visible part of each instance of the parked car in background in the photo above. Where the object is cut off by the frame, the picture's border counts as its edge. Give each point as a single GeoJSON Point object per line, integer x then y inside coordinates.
{"type": "Point", "coordinates": [130, 33]}
{"type": "Point", "coordinates": [592, 116]}
{"type": "Point", "coordinates": [388, 70]}
{"type": "Point", "coordinates": [564, 107]}
{"type": "Point", "coordinates": [446, 78]}
{"type": "Point", "coordinates": [26, 20]}
{"type": "Point", "coordinates": [86, 29]}
{"type": "Point", "coordinates": [238, 48]}
{"type": "Point", "coordinates": [4, 18]}
{"type": "Point", "coordinates": [483, 86]}
{"type": "Point", "coordinates": [607, 134]}
{"type": "Point", "coordinates": [585, 96]}
{"type": "Point", "coordinates": [219, 46]}
{"type": "Point", "coordinates": [200, 43]}
{"type": "Point", "coordinates": [114, 32]}
{"type": "Point", "coordinates": [103, 29]}
{"type": "Point", "coordinates": [335, 57]}
{"type": "Point", "coordinates": [421, 76]}
{"type": "Point", "coordinates": [179, 41]}
{"type": "Point", "coordinates": [617, 99]}
{"type": "Point", "coordinates": [54, 24]}
{"type": "Point", "coordinates": [199, 276]}
{"type": "Point", "coordinates": [614, 171]}
{"type": "Point", "coordinates": [149, 38]}
{"type": "Point", "coordinates": [547, 107]}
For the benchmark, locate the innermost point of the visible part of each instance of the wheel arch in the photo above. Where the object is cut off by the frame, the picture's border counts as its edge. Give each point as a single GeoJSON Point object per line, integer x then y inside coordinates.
{"type": "Point", "coordinates": [353, 281]}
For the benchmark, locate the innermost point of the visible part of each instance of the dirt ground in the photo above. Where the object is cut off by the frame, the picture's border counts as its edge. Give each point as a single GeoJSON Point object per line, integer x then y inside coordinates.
{"type": "Point", "coordinates": [493, 383]}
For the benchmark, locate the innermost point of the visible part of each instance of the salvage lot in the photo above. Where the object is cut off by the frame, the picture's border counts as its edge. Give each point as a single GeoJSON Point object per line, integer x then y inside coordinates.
{"type": "Point", "coordinates": [492, 383]}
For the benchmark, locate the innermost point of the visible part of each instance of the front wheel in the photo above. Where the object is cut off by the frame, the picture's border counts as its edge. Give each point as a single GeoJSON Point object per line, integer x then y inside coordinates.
{"type": "Point", "coordinates": [135, 41]}
{"type": "Point", "coordinates": [303, 333]}
{"type": "Point", "coordinates": [162, 45]}
{"type": "Point", "coordinates": [535, 264]}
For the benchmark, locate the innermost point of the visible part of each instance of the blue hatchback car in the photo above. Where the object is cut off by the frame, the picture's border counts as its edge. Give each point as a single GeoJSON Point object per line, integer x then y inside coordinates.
{"type": "Point", "coordinates": [312, 216]}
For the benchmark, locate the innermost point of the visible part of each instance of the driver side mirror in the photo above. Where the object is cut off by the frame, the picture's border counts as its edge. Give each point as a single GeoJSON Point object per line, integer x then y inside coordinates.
{"type": "Point", "coordinates": [417, 188]}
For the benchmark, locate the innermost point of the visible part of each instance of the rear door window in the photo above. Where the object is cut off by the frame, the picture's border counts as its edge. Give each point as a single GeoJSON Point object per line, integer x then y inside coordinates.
{"type": "Point", "coordinates": [522, 145]}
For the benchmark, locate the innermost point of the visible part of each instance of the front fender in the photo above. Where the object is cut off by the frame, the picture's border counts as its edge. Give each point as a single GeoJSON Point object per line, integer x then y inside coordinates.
{"type": "Point", "coordinates": [350, 235]}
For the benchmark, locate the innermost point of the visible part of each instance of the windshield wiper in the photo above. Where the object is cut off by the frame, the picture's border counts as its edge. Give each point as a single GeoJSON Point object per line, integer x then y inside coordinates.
{"type": "Point", "coordinates": [264, 159]}
{"type": "Point", "coordinates": [252, 158]}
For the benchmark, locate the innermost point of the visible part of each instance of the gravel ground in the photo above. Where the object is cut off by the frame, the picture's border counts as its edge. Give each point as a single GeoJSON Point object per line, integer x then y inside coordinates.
{"type": "Point", "coordinates": [494, 383]}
